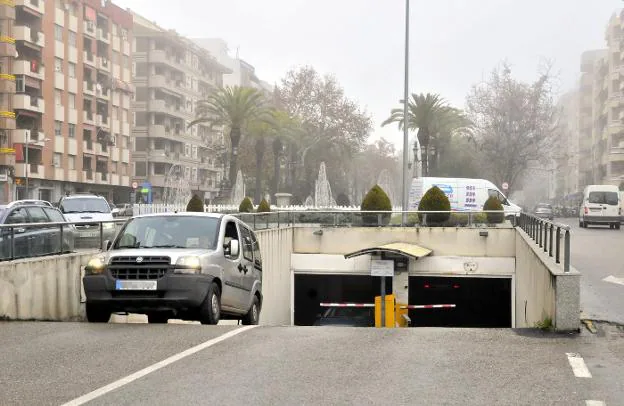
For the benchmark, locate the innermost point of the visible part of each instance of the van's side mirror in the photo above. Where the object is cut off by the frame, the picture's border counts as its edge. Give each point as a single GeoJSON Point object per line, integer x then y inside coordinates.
{"type": "Point", "coordinates": [106, 245]}
{"type": "Point", "coordinates": [234, 248]}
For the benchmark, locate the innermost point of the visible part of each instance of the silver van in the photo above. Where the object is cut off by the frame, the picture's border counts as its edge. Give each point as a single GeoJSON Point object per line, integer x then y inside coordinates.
{"type": "Point", "coordinates": [190, 265]}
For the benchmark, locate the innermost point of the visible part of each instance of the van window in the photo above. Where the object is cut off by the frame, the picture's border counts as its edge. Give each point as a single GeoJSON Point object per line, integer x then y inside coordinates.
{"type": "Point", "coordinates": [256, 251]}
{"type": "Point", "coordinates": [247, 245]}
{"type": "Point", "coordinates": [231, 233]}
{"type": "Point", "coordinates": [495, 193]}
{"type": "Point", "coordinates": [610, 198]}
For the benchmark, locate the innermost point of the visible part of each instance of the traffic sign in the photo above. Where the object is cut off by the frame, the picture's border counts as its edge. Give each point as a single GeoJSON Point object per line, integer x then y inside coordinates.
{"type": "Point", "coordinates": [380, 267]}
{"type": "Point", "coordinates": [505, 186]}
{"type": "Point", "coordinates": [135, 185]}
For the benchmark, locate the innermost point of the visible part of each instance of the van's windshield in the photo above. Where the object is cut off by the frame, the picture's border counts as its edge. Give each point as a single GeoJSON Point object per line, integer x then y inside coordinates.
{"type": "Point", "coordinates": [610, 198]}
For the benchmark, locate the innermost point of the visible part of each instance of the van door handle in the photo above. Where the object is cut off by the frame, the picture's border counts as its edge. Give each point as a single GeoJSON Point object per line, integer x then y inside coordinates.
{"type": "Point", "coordinates": [242, 268]}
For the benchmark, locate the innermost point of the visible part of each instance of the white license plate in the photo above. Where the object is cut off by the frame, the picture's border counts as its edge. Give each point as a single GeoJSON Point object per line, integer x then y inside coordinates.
{"type": "Point", "coordinates": [89, 234]}
{"type": "Point", "coordinates": [135, 285]}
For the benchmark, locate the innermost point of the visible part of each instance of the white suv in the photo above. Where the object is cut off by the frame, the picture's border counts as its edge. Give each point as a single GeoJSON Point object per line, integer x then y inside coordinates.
{"type": "Point", "coordinates": [86, 208]}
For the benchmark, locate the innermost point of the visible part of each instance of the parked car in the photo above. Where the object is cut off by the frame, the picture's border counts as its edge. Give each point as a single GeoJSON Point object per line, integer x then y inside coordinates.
{"type": "Point", "coordinates": [86, 207]}
{"type": "Point", "coordinates": [114, 210]}
{"type": "Point", "coordinates": [25, 242]}
{"type": "Point", "coordinates": [601, 206]}
{"type": "Point", "coordinates": [188, 265]}
{"type": "Point", "coordinates": [125, 210]}
{"type": "Point", "coordinates": [544, 210]}
{"type": "Point", "coordinates": [347, 317]}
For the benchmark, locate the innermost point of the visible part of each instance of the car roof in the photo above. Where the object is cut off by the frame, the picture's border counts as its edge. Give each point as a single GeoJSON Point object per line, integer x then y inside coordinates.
{"type": "Point", "coordinates": [187, 213]}
{"type": "Point", "coordinates": [90, 196]}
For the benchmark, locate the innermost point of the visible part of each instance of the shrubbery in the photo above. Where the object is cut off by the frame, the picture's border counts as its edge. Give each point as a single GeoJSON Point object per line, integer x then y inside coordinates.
{"type": "Point", "coordinates": [434, 200]}
{"type": "Point", "coordinates": [376, 200]}
{"type": "Point", "coordinates": [264, 207]}
{"type": "Point", "coordinates": [492, 203]}
{"type": "Point", "coordinates": [246, 206]}
{"type": "Point", "coordinates": [342, 200]}
{"type": "Point", "coordinates": [195, 204]}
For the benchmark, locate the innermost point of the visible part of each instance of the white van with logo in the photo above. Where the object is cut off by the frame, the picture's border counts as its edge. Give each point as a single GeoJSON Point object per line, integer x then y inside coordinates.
{"type": "Point", "coordinates": [600, 206]}
{"type": "Point", "coordinates": [464, 194]}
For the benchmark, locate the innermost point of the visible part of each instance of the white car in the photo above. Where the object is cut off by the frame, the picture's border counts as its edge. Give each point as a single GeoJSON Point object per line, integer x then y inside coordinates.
{"type": "Point", "coordinates": [91, 210]}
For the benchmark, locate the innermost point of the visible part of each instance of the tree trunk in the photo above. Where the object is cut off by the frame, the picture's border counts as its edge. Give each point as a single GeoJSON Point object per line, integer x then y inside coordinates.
{"type": "Point", "coordinates": [260, 147]}
{"type": "Point", "coordinates": [235, 136]}
{"type": "Point", "coordinates": [292, 171]}
{"type": "Point", "coordinates": [277, 151]}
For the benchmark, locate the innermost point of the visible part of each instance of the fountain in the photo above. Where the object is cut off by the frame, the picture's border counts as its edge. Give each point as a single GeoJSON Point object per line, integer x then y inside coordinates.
{"type": "Point", "coordinates": [177, 187]}
{"type": "Point", "coordinates": [322, 190]}
{"type": "Point", "coordinates": [386, 182]}
{"type": "Point", "coordinates": [309, 202]}
{"type": "Point", "coordinates": [238, 191]}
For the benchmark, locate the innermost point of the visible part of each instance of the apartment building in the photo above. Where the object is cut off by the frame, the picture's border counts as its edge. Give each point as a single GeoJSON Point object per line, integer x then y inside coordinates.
{"type": "Point", "coordinates": [72, 75]}
{"type": "Point", "coordinates": [7, 90]}
{"type": "Point", "coordinates": [566, 153]}
{"type": "Point", "coordinates": [171, 74]}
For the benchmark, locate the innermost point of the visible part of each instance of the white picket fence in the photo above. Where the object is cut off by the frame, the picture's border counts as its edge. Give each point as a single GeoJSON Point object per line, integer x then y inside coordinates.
{"type": "Point", "coordinates": [220, 208]}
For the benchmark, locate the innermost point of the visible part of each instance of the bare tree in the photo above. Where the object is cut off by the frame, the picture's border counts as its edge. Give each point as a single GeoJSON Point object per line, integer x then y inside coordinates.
{"type": "Point", "coordinates": [514, 123]}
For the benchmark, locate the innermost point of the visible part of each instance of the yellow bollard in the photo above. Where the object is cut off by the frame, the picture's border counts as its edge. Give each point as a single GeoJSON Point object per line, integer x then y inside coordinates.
{"type": "Point", "coordinates": [390, 311]}
{"type": "Point", "coordinates": [400, 320]}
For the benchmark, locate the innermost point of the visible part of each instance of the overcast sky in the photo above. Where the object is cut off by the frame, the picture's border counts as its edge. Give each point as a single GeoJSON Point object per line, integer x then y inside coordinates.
{"type": "Point", "coordinates": [454, 43]}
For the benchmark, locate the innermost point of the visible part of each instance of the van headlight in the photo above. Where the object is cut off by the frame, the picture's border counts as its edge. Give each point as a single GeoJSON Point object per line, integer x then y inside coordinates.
{"type": "Point", "coordinates": [96, 265]}
{"type": "Point", "coordinates": [187, 265]}
{"type": "Point", "coordinates": [108, 226]}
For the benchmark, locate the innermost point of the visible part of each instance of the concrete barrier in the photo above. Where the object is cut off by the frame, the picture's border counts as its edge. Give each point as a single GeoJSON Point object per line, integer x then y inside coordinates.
{"type": "Point", "coordinates": [46, 288]}
{"type": "Point", "coordinates": [544, 292]}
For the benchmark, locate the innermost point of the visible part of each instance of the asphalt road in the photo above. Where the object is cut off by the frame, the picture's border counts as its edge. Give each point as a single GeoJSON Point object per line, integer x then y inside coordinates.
{"type": "Point", "coordinates": [130, 364]}
{"type": "Point", "coordinates": [597, 252]}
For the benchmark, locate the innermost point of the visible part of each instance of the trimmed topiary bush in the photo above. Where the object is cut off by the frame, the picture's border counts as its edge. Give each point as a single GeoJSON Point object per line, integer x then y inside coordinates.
{"type": "Point", "coordinates": [195, 204]}
{"type": "Point", "coordinates": [434, 200]}
{"type": "Point", "coordinates": [246, 206]}
{"type": "Point", "coordinates": [342, 200]}
{"type": "Point", "coordinates": [376, 200]}
{"type": "Point", "coordinates": [492, 203]}
{"type": "Point", "coordinates": [264, 207]}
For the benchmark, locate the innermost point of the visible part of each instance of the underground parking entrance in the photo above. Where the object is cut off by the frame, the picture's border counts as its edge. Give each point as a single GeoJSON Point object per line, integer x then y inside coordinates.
{"type": "Point", "coordinates": [347, 298]}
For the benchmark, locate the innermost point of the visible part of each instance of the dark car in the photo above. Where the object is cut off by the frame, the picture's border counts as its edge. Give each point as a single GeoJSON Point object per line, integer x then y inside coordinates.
{"type": "Point", "coordinates": [347, 317]}
{"type": "Point", "coordinates": [545, 211]}
{"type": "Point", "coordinates": [38, 240]}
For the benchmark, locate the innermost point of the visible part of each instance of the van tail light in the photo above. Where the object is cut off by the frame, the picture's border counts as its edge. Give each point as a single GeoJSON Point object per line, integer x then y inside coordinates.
{"type": "Point", "coordinates": [586, 210]}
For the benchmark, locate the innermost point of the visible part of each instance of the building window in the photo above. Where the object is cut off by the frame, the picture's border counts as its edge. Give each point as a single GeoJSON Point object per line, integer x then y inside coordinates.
{"type": "Point", "coordinates": [57, 159]}
{"type": "Point", "coordinates": [58, 65]}
{"type": "Point", "coordinates": [72, 131]}
{"type": "Point", "coordinates": [72, 69]}
{"type": "Point", "coordinates": [71, 162]}
{"type": "Point", "coordinates": [58, 128]}
{"type": "Point", "coordinates": [58, 97]}
{"type": "Point", "coordinates": [20, 84]}
{"type": "Point", "coordinates": [58, 32]}
{"type": "Point", "coordinates": [71, 101]}
{"type": "Point", "coordinates": [72, 39]}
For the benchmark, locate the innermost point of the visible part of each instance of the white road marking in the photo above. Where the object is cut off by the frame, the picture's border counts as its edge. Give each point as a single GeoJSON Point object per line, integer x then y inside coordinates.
{"type": "Point", "coordinates": [595, 403]}
{"type": "Point", "coordinates": [152, 368]}
{"type": "Point", "coordinates": [578, 365]}
{"type": "Point", "coordinates": [613, 279]}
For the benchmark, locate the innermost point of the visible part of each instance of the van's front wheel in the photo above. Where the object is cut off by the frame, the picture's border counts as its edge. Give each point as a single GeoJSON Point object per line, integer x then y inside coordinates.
{"type": "Point", "coordinates": [210, 309]}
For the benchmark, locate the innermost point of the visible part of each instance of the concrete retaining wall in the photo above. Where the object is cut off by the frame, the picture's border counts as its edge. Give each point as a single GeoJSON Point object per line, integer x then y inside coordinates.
{"type": "Point", "coordinates": [500, 241]}
{"type": "Point", "coordinates": [543, 290]}
{"type": "Point", "coordinates": [275, 247]}
{"type": "Point", "coordinates": [42, 288]}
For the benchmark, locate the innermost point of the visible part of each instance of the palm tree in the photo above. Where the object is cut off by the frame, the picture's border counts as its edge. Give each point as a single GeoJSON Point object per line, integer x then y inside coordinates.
{"type": "Point", "coordinates": [427, 113]}
{"type": "Point", "coordinates": [451, 123]}
{"type": "Point", "coordinates": [232, 107]}
{"type": "Point", "coordinates": [288, 130]}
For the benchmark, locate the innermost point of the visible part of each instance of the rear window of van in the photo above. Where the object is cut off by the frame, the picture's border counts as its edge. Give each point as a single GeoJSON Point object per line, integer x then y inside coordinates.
{"type": "Point", "coordinates": [610, 198]}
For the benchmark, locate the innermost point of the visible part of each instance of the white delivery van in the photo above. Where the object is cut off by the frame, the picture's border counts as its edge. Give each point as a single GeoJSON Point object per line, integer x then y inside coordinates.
{"type": "Point", "coordinates": [464, 194]}
{"type": "Point", "coordinates": [600, 206]}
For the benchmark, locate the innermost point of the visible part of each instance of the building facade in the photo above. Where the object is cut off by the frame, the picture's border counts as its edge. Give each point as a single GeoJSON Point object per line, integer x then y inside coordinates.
{"type": "Point", "coordinates": [72, 75]}
{"type": "Point", "coordinates": [170, 159]}
{"type": "Point", "coordinates": [566, 154]}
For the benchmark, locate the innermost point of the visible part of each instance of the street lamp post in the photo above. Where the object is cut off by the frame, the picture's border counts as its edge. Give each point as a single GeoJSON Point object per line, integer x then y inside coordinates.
{"type": "Point", "coordinates": [405, 194]}
{"type": "Point", "coordinates": [27, 143]}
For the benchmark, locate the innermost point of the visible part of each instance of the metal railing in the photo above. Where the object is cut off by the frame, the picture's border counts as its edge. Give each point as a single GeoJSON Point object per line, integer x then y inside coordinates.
{"type": "Point", "coordinates": [66, 232]}
{"type": "Point", "coordinates": [548, 235]}
{"type": "Point", "coordinates": [357, 218]}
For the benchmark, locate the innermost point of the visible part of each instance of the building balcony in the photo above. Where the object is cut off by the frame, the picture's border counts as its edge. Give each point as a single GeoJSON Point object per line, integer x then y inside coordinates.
{"type": "Point", "coordinates": [160, 81]}
{"type": "Point", "coordinates": [125, 128]}
{"type": "Point", "coordinates": [38, 6]}
{"type": "Point", "coordinates": [28, 35]}
{"type": "Point", "coordinates": [616, 154]}
{"type": "Point", "coordinates": [72, 116]}
{"type": "Point", "coordinates": [7, 83]}
{"type": "Point", "coordinates": [102, 94]}
{"type": "Point", "coordinates": [59, 80]}
{"type": "Point", "coordinates": [88, 58]}
{"type": "Point", "coordinates": [99, 150]}
{"type": "Point", "coordinates": [88, 118]}
{"type": "Point", "coordinates": [101, 177]}
{"type": "Point", "coordinates": [34, 170]}
{"type": "Point", "coordinates": [72, 85]}
{"type": "Point", "coordinates": [59, 112]}
{"type": "Point", "coordinates": [7, 10]}
{"type": "Point", "coordinates": [103, 63]}
{"type": "Point", "coordinates": [158, 106]}
{"type": "Point", "coordinates": [21, 67]}
{"type": "Point", "coordinates": [103, 36]}
{"type": "Point", "coordinates": [7, 46]}
{"type": "Point", "coordinates": [34, 138]}
{"type": "Point", "coordinates": [59, 173]}
{"type": "Point", "coordinates": [87, 176]}
{"type": "Point", "coordinates": [114, 154]}
{"type": "Point", "coordinates": [88, 88]}
{"type": "Point", "coordinates": [87, 146]}
{"type": "Point", "coordinates": [102, 121]}
{"type": "Point", "coordinates": [125, 156]}
{"type": "Point", "coordinates": [26, 102]}
{"type": "Point", "coordinates": [7, 159]}
{"type": "Point", "coordinates": [89, 28]}
{"type": "Point", "coordinates": [72, 175]}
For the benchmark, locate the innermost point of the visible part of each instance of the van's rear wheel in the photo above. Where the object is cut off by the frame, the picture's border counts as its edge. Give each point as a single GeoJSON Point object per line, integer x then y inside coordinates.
{"type": "Point", "coordinates": [210, 309]}
{"type": "Point", "coordinates": [253, 315]}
